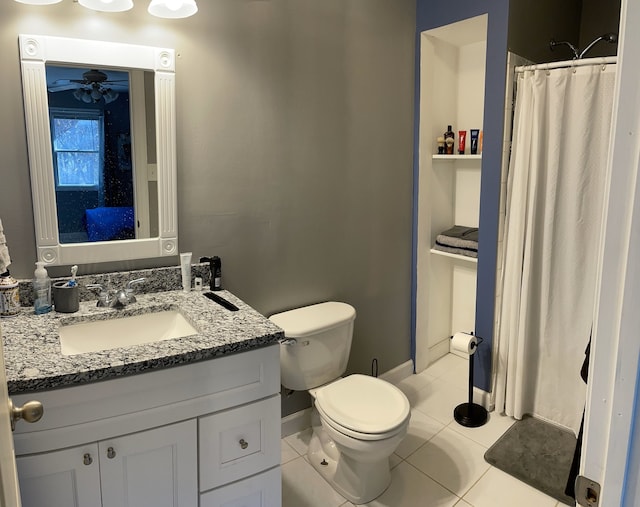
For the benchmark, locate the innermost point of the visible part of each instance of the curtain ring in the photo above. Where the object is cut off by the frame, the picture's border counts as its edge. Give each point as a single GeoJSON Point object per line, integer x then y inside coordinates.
{"type": "Point", "coordinates": [547, 71]}
{"type": "Point", "coordinates": [604, 63]}
{"type": "Point", "coordinates": [573, 66]}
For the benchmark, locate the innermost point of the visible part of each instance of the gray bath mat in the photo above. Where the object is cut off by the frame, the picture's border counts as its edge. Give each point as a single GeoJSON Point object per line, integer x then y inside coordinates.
{"type": "Point", "coordinates": [537, 453]}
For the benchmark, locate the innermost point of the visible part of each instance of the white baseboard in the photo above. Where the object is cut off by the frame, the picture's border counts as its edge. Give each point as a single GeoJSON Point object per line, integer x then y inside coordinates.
{"type": "Point", "coordinates": [439, 350]}
{"type": "Point", "coordinates": [483, 398]}
{"type": "Point", "coordinates": [296, 422]}
{"type": "Point", "coordinates": [400, 372]}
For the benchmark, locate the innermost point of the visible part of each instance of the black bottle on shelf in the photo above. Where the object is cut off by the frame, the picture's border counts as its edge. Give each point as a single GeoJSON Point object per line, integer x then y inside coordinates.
{"type": "Point", "coordinates": [449, 140]}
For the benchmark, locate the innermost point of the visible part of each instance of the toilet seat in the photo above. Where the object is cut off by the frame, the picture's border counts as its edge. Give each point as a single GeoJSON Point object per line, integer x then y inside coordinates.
{"type": "Point", "coordinates": [362, 407]}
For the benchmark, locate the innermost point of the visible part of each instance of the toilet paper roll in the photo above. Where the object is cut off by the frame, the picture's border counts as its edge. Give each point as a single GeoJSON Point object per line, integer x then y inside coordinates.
{"type": "Point", "coordinates": [463, 342]}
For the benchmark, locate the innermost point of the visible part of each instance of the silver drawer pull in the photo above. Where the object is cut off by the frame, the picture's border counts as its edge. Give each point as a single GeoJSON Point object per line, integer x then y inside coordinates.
{"type": "Point", "coordinates": [243, 443]}
{"type": "Point", "coordinates": [111, 453]}
{"type": "Point", "coordinates": [87, 459]}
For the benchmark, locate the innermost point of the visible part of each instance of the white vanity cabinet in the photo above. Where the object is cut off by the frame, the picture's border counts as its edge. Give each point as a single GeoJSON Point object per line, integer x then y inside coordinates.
{"type": "Point", "coordinates": [156, 467]}
{"type": "Point", "coordinates": [206, 433]}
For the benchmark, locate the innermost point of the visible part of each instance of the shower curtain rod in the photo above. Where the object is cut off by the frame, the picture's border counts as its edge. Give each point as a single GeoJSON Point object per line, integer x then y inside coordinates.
{"type": "Point", "coordinates": [568, 63]}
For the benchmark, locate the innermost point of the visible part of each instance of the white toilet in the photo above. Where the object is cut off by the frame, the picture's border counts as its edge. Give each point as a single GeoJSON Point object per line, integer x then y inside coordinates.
{"type": "Point", "coordinates": [358, 421]}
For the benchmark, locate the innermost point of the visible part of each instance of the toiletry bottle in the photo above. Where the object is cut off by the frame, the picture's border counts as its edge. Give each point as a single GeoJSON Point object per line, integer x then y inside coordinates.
{"type": "Point", "coordinates": [462, 140]}
{"type": "Point", "coordinates": [475, 133]}
{"type": "Point", "coordinates": [41, 289]}
{"type": "Point", "coordinates": [216, 273]}
{"type": "Point", "coordinates": [449, 140]}
{"type": "Point", "coordinates": [185, 270]}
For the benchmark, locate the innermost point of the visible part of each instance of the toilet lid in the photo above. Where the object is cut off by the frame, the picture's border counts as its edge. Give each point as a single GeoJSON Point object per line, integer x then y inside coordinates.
{"type": "Point", "coordinates": [363, 404]}
{"type": "Point", "coordinates": [313, 319]}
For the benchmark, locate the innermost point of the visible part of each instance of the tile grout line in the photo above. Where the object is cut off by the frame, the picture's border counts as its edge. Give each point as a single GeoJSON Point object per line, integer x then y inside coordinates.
{"type": "Point", "coordinates": [434, 480]}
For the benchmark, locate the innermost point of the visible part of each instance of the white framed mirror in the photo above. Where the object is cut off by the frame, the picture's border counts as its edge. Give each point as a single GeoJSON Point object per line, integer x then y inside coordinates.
{"type": "Point", "coordinates": [139, 220]}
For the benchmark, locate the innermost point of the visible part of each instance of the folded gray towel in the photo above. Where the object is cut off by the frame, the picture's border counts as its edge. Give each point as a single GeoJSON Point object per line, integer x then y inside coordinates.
{"type": "Point", "coordinates": [458, 251]}
{"type": "Point", "coordinates": [459, 236]}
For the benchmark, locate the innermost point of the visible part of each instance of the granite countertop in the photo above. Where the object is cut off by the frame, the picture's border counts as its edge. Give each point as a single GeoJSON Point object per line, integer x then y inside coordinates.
{"type": "Point", "coordinates": [34, 362]}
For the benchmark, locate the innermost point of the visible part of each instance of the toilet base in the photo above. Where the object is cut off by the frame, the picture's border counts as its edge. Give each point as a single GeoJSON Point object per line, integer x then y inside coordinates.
{"type": "Point", "coordinates": [359, 482]}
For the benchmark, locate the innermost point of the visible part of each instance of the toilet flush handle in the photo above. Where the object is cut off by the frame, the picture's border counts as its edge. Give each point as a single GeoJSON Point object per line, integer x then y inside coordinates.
{"type": "Point", "coordinates": [293, 341]}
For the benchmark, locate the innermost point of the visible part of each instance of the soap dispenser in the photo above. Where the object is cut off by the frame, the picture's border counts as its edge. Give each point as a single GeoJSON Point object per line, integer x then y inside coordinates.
{"type": "Point", "coordinates": [41, 289]}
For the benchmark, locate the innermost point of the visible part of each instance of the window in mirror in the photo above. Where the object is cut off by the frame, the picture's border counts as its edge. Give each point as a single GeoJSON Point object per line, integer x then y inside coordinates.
{"type": "Point", "coordinates": [78, 147]}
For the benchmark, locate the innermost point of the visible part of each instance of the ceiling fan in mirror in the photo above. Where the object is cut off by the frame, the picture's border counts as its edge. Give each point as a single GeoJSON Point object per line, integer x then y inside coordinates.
{"type": "Point", "coordinates": [94, 86]}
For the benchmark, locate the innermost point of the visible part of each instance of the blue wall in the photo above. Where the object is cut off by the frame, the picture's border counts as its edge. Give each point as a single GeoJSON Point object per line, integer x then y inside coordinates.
{"type": "Point", "coordinates": [432, 14]}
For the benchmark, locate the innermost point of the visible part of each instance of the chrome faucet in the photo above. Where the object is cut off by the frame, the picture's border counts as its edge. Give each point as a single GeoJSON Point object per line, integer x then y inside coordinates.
{"type": "Point", "coordinates": [120, 298]}
{"type": "Point", "coordinates": [124, 297]}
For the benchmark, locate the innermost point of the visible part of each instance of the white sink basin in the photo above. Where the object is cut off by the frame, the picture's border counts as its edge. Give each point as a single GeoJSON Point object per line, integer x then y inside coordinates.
{"type": "Point", "coordinates": [123, 332]}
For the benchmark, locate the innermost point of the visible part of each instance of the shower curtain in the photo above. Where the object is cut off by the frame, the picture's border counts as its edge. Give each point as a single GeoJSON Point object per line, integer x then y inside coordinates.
{"type": "Point", "coordinates": [554, 212]}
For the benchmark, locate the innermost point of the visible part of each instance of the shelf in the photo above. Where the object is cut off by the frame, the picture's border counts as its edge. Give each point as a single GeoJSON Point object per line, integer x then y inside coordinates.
{"type": "Point", "coordinates": [472, 260]}
{"type": "Point", "coordinates": [457, 157]}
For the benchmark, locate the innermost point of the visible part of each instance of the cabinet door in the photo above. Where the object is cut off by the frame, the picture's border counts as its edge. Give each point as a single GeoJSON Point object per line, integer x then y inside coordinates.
{"type": "Point", "coordinates": [66, 478]}
{"type": "Point", "coordinates": [155, 468]}
{"type": "Point", "coordinates": [262, 490]}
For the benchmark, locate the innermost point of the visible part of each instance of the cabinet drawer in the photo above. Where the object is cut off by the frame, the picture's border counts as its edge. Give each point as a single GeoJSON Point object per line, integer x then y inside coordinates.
{"type": "Point", "coordinates": [262, 490]}
{"type": "Point", "coordinates": [239, 442]}
{"type": "Point", "coordinates": [101, 410]}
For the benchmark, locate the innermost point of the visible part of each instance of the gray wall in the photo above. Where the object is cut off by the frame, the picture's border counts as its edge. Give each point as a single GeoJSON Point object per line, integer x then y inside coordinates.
{"type": "Point", "coordinates": [295, 123]}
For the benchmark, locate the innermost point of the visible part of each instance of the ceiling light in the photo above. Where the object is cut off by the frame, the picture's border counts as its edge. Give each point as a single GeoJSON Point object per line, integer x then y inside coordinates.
{"type": "Point", "coordinates": [38, 2]}
{"type": "Point", "coordinates": [107, 5]}
{"type": "Point", "coordinates": [94, 94]}
{"type": "Point", "coordinates": [173, 8]}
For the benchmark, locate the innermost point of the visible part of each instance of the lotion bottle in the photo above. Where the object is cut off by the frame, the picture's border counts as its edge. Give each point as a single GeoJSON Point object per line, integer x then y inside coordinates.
{"type": "Point", "coordinates": [41, 289]}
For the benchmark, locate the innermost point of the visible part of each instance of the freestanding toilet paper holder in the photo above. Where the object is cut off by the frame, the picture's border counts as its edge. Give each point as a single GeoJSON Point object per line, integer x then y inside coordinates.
{"type": "Point", "coordinates": [471, 414]}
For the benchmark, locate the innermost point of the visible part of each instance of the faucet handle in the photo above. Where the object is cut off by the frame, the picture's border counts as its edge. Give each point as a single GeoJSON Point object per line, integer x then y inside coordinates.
{"type": "Point", "coordinates": [131, 283]}
{"type": "Point", "coordinates": [129, 290]}
{"type": "Point", "coordinates": [104, 298]}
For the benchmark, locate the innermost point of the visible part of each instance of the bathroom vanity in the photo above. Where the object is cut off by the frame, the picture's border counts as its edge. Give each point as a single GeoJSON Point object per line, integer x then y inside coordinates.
{"type": "Point", "coordinates": [133, 415]}
{"type": "Point", "coordinates": [177, 422]}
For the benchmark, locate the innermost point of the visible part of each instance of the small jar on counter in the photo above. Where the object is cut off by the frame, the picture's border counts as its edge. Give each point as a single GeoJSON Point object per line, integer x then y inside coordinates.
{"type": "Point", "coordinates": [9, 296]}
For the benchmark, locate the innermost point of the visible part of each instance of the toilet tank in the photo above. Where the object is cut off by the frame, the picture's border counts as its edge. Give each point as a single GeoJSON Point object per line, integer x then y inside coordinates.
{"type": "Point", "coordinates": [317, 344]}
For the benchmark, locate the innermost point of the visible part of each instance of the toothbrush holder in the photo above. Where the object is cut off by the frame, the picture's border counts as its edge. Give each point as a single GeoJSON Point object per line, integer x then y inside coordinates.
{"type": "Point", "coordinates": [66, 299]}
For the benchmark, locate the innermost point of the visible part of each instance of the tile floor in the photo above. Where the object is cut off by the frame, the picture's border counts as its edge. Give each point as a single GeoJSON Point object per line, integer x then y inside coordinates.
{"type": "Point", "coordinates": [439, 463]}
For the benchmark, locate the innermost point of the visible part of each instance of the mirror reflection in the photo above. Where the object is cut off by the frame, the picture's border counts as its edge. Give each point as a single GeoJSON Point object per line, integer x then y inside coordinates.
{"type": "Point", "coordinates": [93, 163]}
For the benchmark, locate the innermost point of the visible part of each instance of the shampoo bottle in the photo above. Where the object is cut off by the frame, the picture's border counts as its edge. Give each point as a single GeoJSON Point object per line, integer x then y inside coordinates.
{"type": "Point", "coordinates": [41, 289]}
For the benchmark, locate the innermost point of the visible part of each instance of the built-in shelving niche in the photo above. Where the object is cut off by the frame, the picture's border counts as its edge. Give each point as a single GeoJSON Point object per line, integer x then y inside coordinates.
{"type": "Point", "coordinates": [452, 78]}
